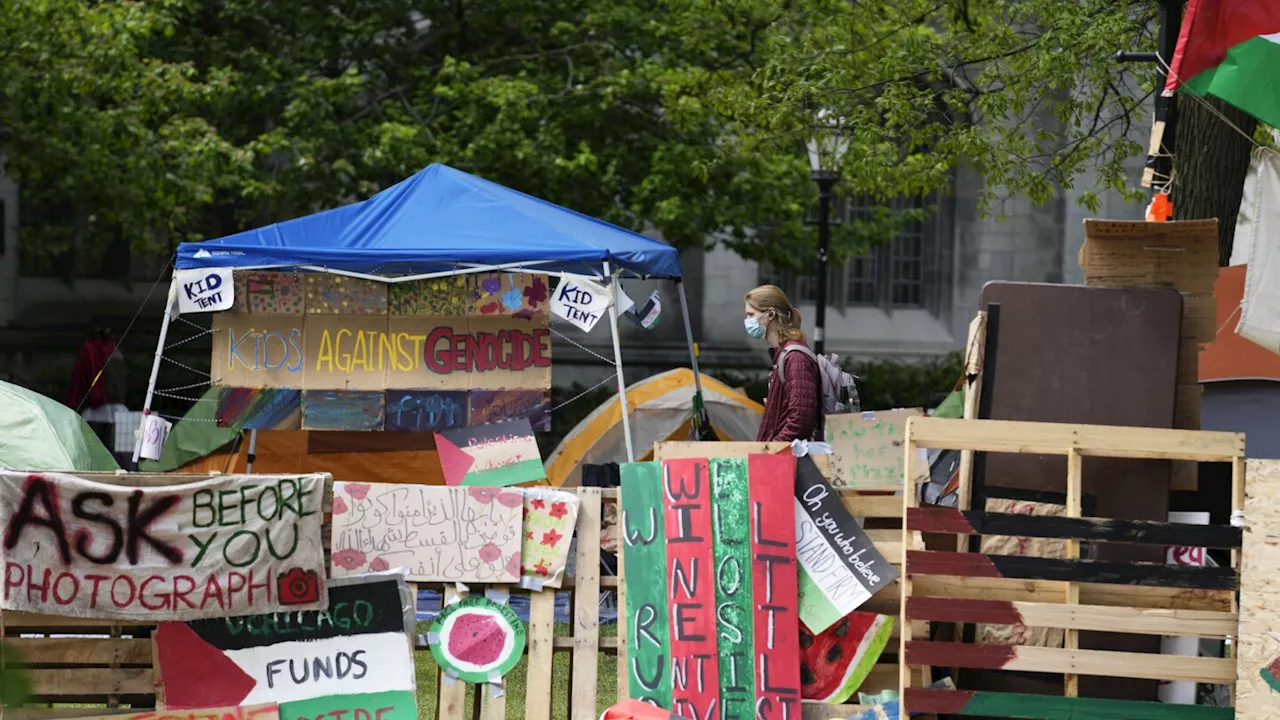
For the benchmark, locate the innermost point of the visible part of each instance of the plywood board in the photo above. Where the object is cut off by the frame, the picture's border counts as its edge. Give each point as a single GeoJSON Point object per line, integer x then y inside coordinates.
{"type": "Point", "coordinates": [1258, 688]}
{"type": "Point", "coordinates": [866, 448]}
{"type": "Point", "coordinates": [339, 295]}
{"type": "Point", "coordinates": [438, 534]}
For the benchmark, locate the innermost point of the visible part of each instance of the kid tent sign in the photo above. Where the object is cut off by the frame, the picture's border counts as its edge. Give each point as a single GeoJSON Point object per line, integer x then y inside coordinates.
{"type": "Point", "coordinates": [229, 545]}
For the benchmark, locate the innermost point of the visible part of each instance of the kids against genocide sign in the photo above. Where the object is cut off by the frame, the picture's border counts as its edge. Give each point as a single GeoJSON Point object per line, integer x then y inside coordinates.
{"type": "Point", "coordinates": [229, 545]}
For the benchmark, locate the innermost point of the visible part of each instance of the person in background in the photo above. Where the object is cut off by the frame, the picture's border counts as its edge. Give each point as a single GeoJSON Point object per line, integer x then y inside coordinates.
{"type": "Point", "coordinates": [793, 403]}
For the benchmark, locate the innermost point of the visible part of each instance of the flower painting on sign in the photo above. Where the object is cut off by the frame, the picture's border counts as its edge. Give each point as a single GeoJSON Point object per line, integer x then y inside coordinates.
{"type": "Point", "coordinates": [229, 545]}
{"type": "Point", "coordinates": [549, 519]}
{"type": "Point", "coordinates": [438, 534]}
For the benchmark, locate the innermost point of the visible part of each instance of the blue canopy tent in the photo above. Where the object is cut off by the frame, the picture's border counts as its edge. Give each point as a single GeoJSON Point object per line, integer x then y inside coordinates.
{"type": "Point", "coordinates": [441, 222]}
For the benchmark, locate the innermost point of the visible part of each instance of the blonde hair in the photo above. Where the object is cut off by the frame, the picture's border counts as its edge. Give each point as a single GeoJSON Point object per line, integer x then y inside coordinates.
{"type": "Point", "coordinates": [786, 321]}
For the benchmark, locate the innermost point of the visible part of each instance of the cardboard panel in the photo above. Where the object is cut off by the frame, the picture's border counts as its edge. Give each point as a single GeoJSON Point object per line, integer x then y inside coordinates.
{"type": "Point", "coordinates": [509, 294]}
{"type": "Point", "coordinates": [272, 293]}
{"type": "Point", "coordinates": [430, 352]}
{"type": "Point", "coordinates": [866, 448]}
{"type": "Point", "coordinates": [426, 410]}
{"type": "Point", "coordinates": [257, 351]}
{"type": "Point", "coordinates": [347, 352]}
{"type": "Point", "coordinates": [447, 296]}
{"type": "Point", "coordinates": [338, 295]}
{"type": "Point", "coordinates": [506, 353]}
{"type": "Point", "coordinates": [343, 409]}
{"type": "Point", "coordinates": [491, 406]}
{"type": "Point", "coordinates": [259, 408]}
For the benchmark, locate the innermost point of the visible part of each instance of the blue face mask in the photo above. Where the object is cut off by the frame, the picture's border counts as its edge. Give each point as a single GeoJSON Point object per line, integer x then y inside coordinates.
{"type": "Point", "coordinates": [754, 328]}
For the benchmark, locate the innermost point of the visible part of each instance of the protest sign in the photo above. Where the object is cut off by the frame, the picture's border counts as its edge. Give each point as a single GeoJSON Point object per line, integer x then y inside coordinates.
{"type": "Point", "coordinates": [229, 545]}
{"type": "Point", "coordinates": [204, 290]}
{"type": "Point", "coordinates": [437, 534]}
{"type": "Point", "coordinates": [496, 455]}
{"type": "Point", "coordinates": [350, 659]}
{"type": "Point", "coordinates": [266, 711]}
{"type": "Point", "coordinates": [709, 547]}
{"type": "Point", "coordinates": [842, 569]}
{"type": "Point", "coordinates": [580, 301]}
{"type": "Point", "coordinates": [866, 448]}
{"type": "Point", "coordinates": [155, 430]}
{"type": "Point", "coordinates": [477, 640]}
{"type": "Point", "coordinates": [495, 406]}
{"type": "Point", "coordinates": [549, 519]}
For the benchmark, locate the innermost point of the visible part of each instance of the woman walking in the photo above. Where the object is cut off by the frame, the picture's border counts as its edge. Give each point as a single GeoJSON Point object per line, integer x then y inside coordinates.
{"type": "Point", "coordinates": [792, 407]}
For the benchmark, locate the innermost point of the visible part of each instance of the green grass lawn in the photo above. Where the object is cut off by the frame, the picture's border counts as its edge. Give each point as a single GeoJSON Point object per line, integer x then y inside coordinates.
{"type": "Point", "coordinates": [606, 681]}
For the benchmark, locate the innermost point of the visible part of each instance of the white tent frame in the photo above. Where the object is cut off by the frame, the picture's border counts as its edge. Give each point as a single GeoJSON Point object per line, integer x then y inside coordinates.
{"type": "Point", "coordinates": [609, 275]}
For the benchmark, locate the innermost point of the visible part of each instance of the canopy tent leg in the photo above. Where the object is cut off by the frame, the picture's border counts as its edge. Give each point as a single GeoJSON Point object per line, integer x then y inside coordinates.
{"type": "Point", "coordinates": [617, 361]}
{"type": "Point", "coordinates": [170, 302]}
{"type": "Point", "coordinates": [701, 420]}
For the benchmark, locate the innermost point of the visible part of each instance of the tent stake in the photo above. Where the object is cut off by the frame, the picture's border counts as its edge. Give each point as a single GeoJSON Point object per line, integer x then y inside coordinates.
{"type": "Point", "coordinates": [617, 361]}
{"type": "Point", "coordinates": [170, 302]}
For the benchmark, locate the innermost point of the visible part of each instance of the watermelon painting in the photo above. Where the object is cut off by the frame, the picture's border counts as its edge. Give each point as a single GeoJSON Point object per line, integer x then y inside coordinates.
{"type": "Point", "coordinates": [477, 639]}
{"type": "Point", "coordinates": [834, 662]}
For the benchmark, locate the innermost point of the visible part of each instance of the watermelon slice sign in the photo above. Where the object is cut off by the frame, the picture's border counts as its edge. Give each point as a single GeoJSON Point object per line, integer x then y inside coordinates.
{"type": "Point", "coordinates": [834, 662]}
{"type": "Point", "coordinates": [476, 637]}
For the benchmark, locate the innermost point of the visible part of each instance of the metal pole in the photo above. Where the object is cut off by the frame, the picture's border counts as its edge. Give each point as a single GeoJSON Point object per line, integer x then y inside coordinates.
{"type": "Point", "coordinates": [170, 302]}
{"type": "Point", "coordinates": [824, 243]}
{"type": "Point", "coordinates": [253, 446]}
{"type": "Point", "coordinates": [1167, 107]}
{"type": "Point", "coordinates": [700, 416]}
{"type": "Point", "coordinates": [617, 361]}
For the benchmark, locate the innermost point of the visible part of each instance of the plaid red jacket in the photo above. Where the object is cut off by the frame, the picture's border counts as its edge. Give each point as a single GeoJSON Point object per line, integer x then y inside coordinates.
{"type": "Point", "coordinates": [791, 407]}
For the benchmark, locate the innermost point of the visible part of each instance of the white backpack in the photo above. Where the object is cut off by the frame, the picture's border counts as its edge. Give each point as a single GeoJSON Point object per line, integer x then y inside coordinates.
{"type": "Point", "coordinates": [839, 391]}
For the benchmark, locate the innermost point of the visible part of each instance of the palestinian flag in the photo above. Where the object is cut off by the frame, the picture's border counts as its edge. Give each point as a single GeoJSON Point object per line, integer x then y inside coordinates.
{"type": "Point", "coordinates": [1231, 49]}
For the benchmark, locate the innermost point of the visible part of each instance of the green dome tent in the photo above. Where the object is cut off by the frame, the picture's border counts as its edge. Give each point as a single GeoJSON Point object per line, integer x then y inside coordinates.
{"type": "Point", "coordinates": [39, 433]}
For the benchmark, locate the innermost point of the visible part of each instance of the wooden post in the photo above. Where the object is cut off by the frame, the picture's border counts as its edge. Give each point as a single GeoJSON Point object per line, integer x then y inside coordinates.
{"type": "Point", "coordinates": [1071, 681]}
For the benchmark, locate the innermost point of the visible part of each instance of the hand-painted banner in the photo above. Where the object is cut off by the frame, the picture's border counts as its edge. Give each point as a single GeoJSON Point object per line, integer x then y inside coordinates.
{"type": "Point", "coordinates": [644, 554]}
{"type": "Point", "coordinates": [495, 455]}
{"type": "Point", "coordinates": [866, 448]}
{"type": "Point", "coordinates": [229, 545]}
{"type": "Point", "coordinates": [842, 568]}
{"type": "Point", "coordinates": [353, 656]}
{"type": "Point", "coordinates": [732, 527]}
{"type": "Point", "coordinates": [549, 519]}
{"type": "Point", "coordinates": [375, 352]}
{"type": "Point", "coordinates": [774, 586]}
{"type": "Point", "coordinates": [719, 599]}
{"type": "Point", "coordinates": [437, 534]}
{"type": "Point", "coordinates": [267, 711]}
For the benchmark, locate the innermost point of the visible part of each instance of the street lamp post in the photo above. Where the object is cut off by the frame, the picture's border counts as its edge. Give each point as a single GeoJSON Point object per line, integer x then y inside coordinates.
{"type": "Point", "coordinates": [826, 150]}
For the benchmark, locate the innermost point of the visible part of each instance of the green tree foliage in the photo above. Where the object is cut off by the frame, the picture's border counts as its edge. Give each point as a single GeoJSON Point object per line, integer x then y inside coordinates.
{"type": "Point", "coordinates": [178, 119]}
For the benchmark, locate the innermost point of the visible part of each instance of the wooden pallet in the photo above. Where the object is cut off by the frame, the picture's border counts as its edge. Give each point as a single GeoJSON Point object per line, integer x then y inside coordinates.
{"type": "Point", "coordinates": [884, 515]}
{"type": "Point", "coordinates": [1072, 594]}
{"type": "Point", "coordinates": [114, 666]}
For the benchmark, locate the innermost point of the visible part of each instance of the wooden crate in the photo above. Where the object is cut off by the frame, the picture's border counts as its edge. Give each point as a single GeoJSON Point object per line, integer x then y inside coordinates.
{"type": "Point", "coordinates": [1072, 594]}
{"type": "Point", "coordinates": [113, 667]}
{"type": "Point", "coordinates": [884, 526]}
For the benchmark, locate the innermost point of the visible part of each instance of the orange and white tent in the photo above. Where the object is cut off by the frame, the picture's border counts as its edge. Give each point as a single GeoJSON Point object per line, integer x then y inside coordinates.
{"type": "Point", "coordinates": [661, 409]}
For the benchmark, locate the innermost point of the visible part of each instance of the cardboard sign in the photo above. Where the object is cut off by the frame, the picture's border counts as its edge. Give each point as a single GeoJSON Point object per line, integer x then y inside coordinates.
{"type": "Point", "coordinates": [510, 294]}
{"type": "Point", "coordinates": [712, 626]}
{"type": "Point", "coordinates": [204, 290]}
{"type": "Point", "coordinates": [229, 545]}
{"type": "Point", "coordinates": [437, 534]}
{"type": "Point", "coordinates": [866, 448]}
{"type": "Point", "coordinates": [495, 455]}
{"type": "Point", "coordinates": [343, 409]}
{"type": "Point", "coordinates": [580, 301]}
{"type": "Point", "coordinates": [426, 410]}
{"type": "Point", "coordinates": [549, 519]}
{"type": "Point", "coordinates": [352, 656]}
{"type": "Point", "coordinates": [266, 711]}
{"type": "Point", "coordinates": [477, 640]}
{"type": "Point", "coordinates": [495, 406]}
{"type": "Point", "coordinates": [325, 351]}
{"type": "Point", "coordinates": [259, 408]}
{"type": "Point", "coordinates": [842, 568]}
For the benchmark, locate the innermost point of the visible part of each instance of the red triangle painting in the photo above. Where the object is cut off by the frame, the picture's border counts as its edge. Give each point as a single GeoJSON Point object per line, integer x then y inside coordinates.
{"type": "Point", "coordinates": [185, 654]}
{"type": "Point", "coordinates": [454, 461]}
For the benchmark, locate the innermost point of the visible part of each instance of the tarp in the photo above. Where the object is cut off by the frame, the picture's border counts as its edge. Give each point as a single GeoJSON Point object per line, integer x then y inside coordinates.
{"type": "Point", "coordinates": [40, 433]}
{"type": "Point", "coordinates": [661, 408]}
{"type": "Point", "coordinates": [194, 436]}
{"type": "Point", "coordinates": [436, 221]}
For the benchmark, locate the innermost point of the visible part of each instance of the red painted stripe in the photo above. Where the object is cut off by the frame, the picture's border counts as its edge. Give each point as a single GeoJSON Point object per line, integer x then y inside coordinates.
{"type": "Point", "coordinates": [939, 520]}
{"type": "Point", "coordinates": [937, 562]}
{"type": "Point", "coordinates": [953, 610]}
{"type": "Point", "coordinates": [691, 589]}
{"type": "Point", "coordinates": [774, 585]}
{"type": "Point", "coordinates": [949, 654]}
{"type": "Point", "coordinates": [936, 702]}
